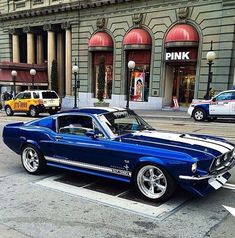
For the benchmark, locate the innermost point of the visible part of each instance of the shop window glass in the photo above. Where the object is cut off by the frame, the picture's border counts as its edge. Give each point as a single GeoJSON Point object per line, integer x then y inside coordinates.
{"type": "Point", "coordinates": [108, 73]}
{"type": "Point", "coordinates": [139, 85]}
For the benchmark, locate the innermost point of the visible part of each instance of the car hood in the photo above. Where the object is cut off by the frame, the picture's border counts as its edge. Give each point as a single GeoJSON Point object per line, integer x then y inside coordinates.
{"type": "Point", "coordinates": [194, 145]}
{"type": "Point", "coordinates": [198, 101]}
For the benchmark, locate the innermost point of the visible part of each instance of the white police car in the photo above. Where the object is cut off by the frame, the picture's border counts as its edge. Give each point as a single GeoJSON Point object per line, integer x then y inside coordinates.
{"type": "Point", "coordinates": [221, 105]}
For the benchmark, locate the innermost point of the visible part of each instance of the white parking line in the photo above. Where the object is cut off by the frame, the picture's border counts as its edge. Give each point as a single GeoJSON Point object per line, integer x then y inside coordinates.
{"type": "Point", "coordinates": [114, 201]}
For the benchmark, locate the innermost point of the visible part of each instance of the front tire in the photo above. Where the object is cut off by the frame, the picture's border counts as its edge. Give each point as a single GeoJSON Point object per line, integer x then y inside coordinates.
{"type": "Point", "coordinates": [33, 112]}
{"type": "Point", "coordinates": [199, 114]}
{"type": "Point", "coordinates": [32, 159]}
{"type": "Point", "coordinates": [154, 183]}
{"type": "Point", "coordinates": [9, 111]}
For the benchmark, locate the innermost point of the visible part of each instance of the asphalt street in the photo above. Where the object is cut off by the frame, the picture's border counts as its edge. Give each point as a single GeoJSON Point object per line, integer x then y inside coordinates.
{"type": "Point", "coordinates": [30, 209]}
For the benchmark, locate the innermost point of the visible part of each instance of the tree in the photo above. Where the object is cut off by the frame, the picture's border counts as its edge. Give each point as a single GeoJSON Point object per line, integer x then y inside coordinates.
{"type": "Point", "coordinates": [101, 78]}
{"type": "Point", "coordinates": [54, 76]}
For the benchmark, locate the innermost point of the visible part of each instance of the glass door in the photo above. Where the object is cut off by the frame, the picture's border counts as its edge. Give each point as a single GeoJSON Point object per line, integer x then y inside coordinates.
{"type": "Point", "coordinates": [184, 84]}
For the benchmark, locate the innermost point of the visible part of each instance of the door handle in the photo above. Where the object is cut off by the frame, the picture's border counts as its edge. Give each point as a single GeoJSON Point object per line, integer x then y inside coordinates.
{"type": "Point", "coordinates": [58, 137]}
{"type": "Point", "coordinates": [225, 102]}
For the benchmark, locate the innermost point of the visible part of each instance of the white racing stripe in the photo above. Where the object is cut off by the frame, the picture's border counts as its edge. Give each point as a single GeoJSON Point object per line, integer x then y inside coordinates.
{"type": "Point", "coordinates": [188, 140]}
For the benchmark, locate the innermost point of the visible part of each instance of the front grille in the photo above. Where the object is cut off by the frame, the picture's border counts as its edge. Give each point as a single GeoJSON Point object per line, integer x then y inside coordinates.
{"type": "Point", "coordinates": [225, 161]}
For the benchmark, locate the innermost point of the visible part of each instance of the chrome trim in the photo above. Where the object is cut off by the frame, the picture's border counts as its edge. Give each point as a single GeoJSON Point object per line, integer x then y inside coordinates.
{"type": "Point", "coordinates": [186, 177]}
{"type": "Point", "coordinates": [90, 166]}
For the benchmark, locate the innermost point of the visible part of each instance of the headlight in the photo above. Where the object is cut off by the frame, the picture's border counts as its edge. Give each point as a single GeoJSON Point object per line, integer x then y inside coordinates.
{"type": "Point", "coordinates": [218, 161]}
{"type": "Point", "coordinates": [194, 167]}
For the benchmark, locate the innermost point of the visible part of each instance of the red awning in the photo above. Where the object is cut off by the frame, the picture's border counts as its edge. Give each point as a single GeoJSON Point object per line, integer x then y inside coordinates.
{"type": "Point", "coordinates": [182, 35]}
{"type": "Point", "coordinates": [23, 76]}
{"type": "Point", "coordinates": [137, 39]}
{"type": "Point", "coordinates": [101, 41]}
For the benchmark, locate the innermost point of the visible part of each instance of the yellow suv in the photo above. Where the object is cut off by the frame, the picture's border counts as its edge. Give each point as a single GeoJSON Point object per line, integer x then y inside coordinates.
{"type": "Point", "coordinates": [33, 102]}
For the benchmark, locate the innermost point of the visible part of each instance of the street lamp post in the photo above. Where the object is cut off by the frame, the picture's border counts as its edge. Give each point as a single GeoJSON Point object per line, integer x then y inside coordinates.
{"type": "Point", "coordinates": [131, 66]}
{"type": "Point", "coordinates": [210, 56]}
{"type": "Point", "coordinates": [14, 74]}
{"type": "Point", "coordinates": [77, 84]}
{"type": "Point", "coordinates": [32, 73]}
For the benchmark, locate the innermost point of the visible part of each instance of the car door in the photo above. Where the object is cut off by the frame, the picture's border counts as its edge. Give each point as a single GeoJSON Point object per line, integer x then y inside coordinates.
{"type": "Point", "coordinates": [25, 101]}
{"type": "Point", "coordinates": [72, 147]}
{"type": "Point", "coordinates": [232, 104]}
{"type": "Point", "coordinates": [17, 101]}
{"type": "Point", "coordinates": [220, 104]}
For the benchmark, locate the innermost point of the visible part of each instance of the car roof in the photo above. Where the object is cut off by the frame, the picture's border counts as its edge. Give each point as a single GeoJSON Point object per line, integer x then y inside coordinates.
{"type": "Point", "coordinates": [38, 90]}
{"type": "Point", "coordinates": [95, 110]}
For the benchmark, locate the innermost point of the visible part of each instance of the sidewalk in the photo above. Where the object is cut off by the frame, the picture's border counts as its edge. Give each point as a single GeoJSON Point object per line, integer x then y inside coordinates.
{"type": "Point", "coordinates": [164, 114]}
{"type": "Point", "coordinates": [169, 114]}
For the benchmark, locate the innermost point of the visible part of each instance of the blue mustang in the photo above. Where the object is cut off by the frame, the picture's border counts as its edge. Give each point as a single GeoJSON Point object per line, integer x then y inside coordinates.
{"type": "Point", "coordinates": [118, 144]}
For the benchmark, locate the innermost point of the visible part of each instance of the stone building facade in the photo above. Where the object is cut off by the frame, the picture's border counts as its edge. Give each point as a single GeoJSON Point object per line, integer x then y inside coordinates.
{"type": "Point", "coordinates": [167, 40]}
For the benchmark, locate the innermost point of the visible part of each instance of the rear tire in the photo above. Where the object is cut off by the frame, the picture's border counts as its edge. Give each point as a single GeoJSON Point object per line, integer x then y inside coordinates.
{"type": "Point", "coordinates": [33, 112]}
{"type": "Point", "coordinates": [32, 159]}
{"type": "Point", "coordinates": [199, 114]}
{"type": "Point", "coordinates": [9, 111]}
{"type": "Point", "coordinates": [154, 183]}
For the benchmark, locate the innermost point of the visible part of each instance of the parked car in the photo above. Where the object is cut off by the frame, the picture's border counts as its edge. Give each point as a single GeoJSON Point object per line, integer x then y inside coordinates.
{"type": "Point", "coordinates": [33, 102]}
{"type": "Point", "coordinates": [221, 105]}
{"type": "Point", "coordinates": [118, 144]}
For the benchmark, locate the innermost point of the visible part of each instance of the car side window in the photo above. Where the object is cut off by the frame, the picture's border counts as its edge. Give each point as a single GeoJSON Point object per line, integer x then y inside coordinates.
{"type": "Point", "coordinates": [27, 96]}
{"type": "Point", "coordinates": [20, 96]}
{"type": "Point", "coordinates": [224, 96]}
{"type": "Point", "coordinates": [75, 124]}
{"type": "Point", "coordinates": [35, 95]}
{"type": "Point", "coordinates": [233, 96]}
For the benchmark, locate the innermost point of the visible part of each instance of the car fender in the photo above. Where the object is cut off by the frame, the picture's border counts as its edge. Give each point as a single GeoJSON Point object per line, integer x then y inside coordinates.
{"type": "Point", "coordinates": [32, 142]}
{"type": "Point", "coordinates": [205, 107]}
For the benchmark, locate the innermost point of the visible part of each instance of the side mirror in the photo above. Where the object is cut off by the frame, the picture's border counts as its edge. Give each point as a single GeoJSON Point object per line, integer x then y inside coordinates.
{"type": "Point", "coordinates": [91, 134]}
{"type": "Point", "coordinates": [213, 99]}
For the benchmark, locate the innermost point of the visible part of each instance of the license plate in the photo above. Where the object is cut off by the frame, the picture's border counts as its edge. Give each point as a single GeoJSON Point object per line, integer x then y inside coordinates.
{"type": "Point", "coordinates": [217, 181]}
{"type": "Point", "coordinates": [53, 107]}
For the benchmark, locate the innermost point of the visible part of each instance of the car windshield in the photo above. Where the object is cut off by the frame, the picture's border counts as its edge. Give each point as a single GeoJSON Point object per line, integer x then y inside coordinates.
{"type": "Point", "coordinates": [123, 122]}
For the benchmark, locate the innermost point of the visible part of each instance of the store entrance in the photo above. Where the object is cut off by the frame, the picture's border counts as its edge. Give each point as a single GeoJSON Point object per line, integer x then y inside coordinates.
{"type": "Point", "coordinates": [184, 84]}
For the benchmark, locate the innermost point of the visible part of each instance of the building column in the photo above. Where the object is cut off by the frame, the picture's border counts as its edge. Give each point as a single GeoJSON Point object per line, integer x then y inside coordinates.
{"type": "Point", "coordinates": [15, 48]}
{"type": "Point", "coordinates": [40, 56]}
{"type": "Point", "coordinates": [15, 44]}
{"type": "Point", "coordinates": [68, 58]}
{"type": "Point", "coordinates": [30, 45]}
{"type": "Point", "coordinates": [60, 63]}
{"type": "Point", "coordinates": [50, 53]}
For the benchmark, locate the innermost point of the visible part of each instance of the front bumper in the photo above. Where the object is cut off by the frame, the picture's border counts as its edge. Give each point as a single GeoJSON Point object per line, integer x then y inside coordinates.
{"type": "Point", "coordinates": [204, 184]}
{"type": "Point", "coordinates": [190, 110]}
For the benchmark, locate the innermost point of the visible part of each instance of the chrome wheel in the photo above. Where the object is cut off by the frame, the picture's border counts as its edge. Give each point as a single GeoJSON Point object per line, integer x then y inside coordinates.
{"type": "Point", "coordinates": [199, 115]}
{"type": "Point", "coordinates": [151, 182]}
{"type": "Point", "coordinates": [33, 112]}
{"type": "Point", "coordinates": [8, 111]}
{"type": "Point", "coordinates": [30, 159]}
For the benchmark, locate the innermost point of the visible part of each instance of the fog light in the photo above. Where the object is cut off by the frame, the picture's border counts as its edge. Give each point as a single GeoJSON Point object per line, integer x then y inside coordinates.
{"type": "Point", "coordinates": [194, 167]}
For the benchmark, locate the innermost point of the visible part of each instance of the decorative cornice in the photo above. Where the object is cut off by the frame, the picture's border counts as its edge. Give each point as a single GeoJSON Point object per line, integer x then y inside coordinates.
{"type": "Point", "coordinates": [183, 13]}
{"type": "Point", "coordinates": [137, 19]}
{"type": "Point", "coordinates": [65, 25]}
{"type": "Point", "coordinates": [27, 29]}
{"type": "Point", "coordinates": [57, 8]}
{"type": "Point", "coordinates": [100, 23]}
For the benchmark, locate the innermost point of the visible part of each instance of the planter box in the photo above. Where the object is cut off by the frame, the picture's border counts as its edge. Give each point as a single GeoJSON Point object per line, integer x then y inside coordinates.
{"type": "Point", "coordinates": [101, 104]}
